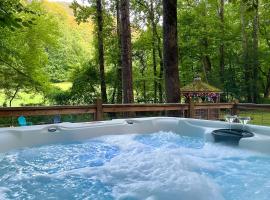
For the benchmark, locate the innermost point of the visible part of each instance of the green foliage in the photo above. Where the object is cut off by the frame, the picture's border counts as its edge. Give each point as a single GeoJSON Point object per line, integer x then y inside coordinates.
{"type": "Point", "coordinates": [84, 88]}
{"type": "Point", "coordinates": [199, 22]}
{"type": "Point", "coordinates": [59, 97]}
{"type": "Point", "coordinates": [74, 44]}
{"type": "Point", "coordinates": [85, 85]}
{"type": "Point", "coordinates": [23, 53]}
{"type": "Point", "coordinates": [12, 15]}
{"type": "Point", "coordinates": [47, 51]}
{"type": "Point", "coordinates": [82, 12]}
{"type": "Point", "coordinates": [41, 42]}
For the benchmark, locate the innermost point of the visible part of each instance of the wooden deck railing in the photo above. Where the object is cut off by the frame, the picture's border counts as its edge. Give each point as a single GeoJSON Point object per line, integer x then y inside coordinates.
{"type": "Point", "coordinates": [260, 113]}
{"type": "Point", "coordinates": [99, 109]}
{"type": "Point", "coordinates": [250, 106]}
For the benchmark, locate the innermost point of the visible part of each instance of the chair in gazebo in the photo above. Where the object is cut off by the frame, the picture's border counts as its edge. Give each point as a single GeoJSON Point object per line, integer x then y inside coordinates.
{"type": "Point", "coordinates": [201, 92]}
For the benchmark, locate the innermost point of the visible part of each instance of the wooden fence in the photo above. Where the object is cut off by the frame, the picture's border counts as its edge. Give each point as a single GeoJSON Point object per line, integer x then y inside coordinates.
{"type": "Point", "coordinates": [250, 106]}
{"type": "Point", "coordinates": [260, 113]}
{"type": "Point", "coordinates": [98, 109]}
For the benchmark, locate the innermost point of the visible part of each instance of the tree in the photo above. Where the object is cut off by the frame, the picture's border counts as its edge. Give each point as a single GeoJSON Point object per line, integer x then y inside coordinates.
{"type": "Point", "coordinates": [126, 52]}
{"type": "Point", "coordinates": [249, 15]}
{"type": "Point", "coordinates": [255, 47]}
{"type": "Point", "coordinates": [101, 50]}
{"type": "Point", "coordinates": [148, 14]}
{"type": "Point", "coordinates": [73, 48]}
{"type": "Point", "coordinates": [264, 55]}
{"type": "Point", "coordinates": [170, 46]}
{"type": "Point", "coordinates": [11, 15]}
{"type": "Point", "coordinates": [221, 47]}
{"type": "Point", "coordinates": [23, 53]}
{"type": "Point", "coordinates": [119, 66]}
{"type": "Point", "coordinates": [82, 14]}
{"type": "Point", "coordinates": [226, 42]}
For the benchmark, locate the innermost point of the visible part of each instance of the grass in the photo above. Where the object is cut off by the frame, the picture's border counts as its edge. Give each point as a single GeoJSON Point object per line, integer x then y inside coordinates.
{"type": "Point", "coordinates": [257, 117]}
{"type": "Point", "coordinates": [63, 85]}
{"type": "Point", "coordinates": [24, 98]}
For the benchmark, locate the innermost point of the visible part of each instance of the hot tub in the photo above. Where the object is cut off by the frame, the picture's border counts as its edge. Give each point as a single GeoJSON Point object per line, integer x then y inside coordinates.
{"type": "Point", "coordinates": [133, 159]}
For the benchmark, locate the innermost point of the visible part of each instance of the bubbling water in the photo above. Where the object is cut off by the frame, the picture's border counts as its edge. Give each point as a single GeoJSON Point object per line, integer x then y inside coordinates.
{"type": "Point", "coordinates": [159, 166]}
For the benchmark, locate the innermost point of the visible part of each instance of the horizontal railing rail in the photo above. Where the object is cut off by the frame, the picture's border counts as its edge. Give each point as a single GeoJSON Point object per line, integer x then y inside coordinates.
{"type": "Point", "coordinates": [115, 108]}
{"type": "Point", "coordinates": [99, 109]}
{"type": "Point", "coordinates": [251, 106]}
{"type": "Point", "coordinates": [212, 111]}
{"type": "Point", "coordinates": [46, 110]}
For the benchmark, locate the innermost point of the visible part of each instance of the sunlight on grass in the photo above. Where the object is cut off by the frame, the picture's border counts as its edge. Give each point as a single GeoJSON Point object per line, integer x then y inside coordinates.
{"type": "Point", "coordinates": [63, 86]}
{"type": "Point", "coordinates": [28, 99]}
{"type": "Point", "coordinates": [23, 98]}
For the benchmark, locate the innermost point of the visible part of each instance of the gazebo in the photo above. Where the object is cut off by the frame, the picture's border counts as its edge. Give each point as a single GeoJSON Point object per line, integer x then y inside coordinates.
{"type": "Point", "coordinates": [201, 92]}
{"type": "Point", "coordinates": [198, 91]}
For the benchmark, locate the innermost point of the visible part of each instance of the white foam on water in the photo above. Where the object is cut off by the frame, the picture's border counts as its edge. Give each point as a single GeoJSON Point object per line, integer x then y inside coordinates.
{"type": "Point", "coordinates": [142, 173]}
{"type": "Point", "coordinates": [160, 166]}
{"type": "Point", "coordinates": [3, 191]}
{"type": "Point", "coordinates": [159, 175]}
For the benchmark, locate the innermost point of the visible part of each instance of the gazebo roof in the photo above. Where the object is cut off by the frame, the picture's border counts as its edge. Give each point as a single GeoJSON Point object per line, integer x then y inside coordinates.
{"type": "Point", "coordinates": [198, 86]}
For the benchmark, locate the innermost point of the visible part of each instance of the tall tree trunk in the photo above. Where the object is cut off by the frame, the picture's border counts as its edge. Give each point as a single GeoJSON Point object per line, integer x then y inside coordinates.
{"type": "Point", "coordinates": [114, 93]}
{"type": "Point", "coordinates": [205, 58]}
{"type": "Point", "coordinates": [266, 74]}
{"type": "Point", "coordinates": [119, 68]}
{"type": "Point", "coordinates": [152, 19]}
{"type": "Point", "coordinates": [206, 61]}
{"type": "Point", "coordinates": [101, 50]}
{"type": "Point", "coordinates": [221, 47]}
{"type": "Point", "coordinates": [170, 46]}
{"type": "Point", "coordinates": [255, 56]}
{"type": "Point", "coordinates": [267, 86]}
{"type": "Point", "coordinates": [126, 52]}
{"type": "Point", "coordinates": [144, 66]}
{"type": "Point", "coordinates": [144, 87]}
{"type": "Point", "coordinates": [161, 71]}
{"type": "Point", "coordinates": [245, 46]}
{"type": "Point", "coordinates": [155, 72]}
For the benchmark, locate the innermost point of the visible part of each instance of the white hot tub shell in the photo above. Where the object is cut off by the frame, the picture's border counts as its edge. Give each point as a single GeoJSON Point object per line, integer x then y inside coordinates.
{"type": "Point", "coordinates": [29, 136]}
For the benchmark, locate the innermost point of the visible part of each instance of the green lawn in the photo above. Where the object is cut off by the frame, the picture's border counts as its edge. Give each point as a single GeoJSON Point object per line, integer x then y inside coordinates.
{"type": "Point", "coordinates": [24, 98]}
{"type": "Point", "coordinates": [258, 117]}
{"type": "Point", "coordinates": [63, 86]}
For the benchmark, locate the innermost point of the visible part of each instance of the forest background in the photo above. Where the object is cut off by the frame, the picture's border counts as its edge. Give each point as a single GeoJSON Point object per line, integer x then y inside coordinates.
{"type": "Point", "coordinates": [50, 51]}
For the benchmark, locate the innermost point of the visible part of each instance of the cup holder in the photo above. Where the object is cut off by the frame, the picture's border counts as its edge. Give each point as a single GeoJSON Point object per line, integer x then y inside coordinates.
{"type": "Point", "coordinates": [230, 136]}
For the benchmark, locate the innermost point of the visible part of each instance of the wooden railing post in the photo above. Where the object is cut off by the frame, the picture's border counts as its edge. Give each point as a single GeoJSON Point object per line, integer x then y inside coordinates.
{"type": "Point", "coordinates": [191, 109]}
{"type": "Point", "coordinates": [208, 114]}
{"type": "Point", "coordinates": [99, 110]}
{"type": "Point", "coordinates": [235, 109]}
